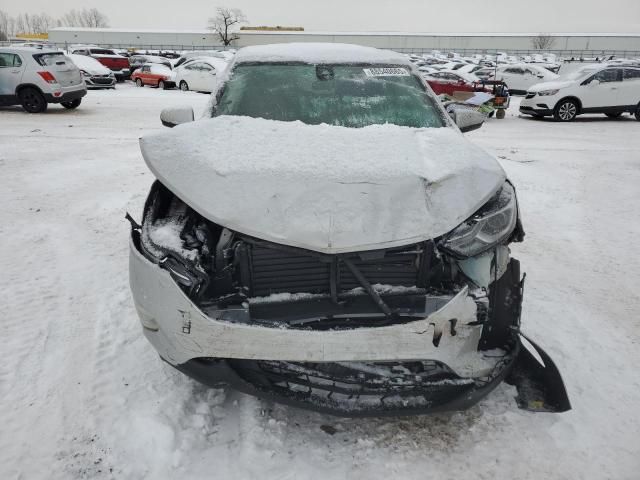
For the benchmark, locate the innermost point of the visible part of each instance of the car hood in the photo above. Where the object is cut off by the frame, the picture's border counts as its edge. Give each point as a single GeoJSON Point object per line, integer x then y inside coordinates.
{"type": "Point", "coordinates": [324, 188]}
{"type": "Point", "coordinates": [539, 87]}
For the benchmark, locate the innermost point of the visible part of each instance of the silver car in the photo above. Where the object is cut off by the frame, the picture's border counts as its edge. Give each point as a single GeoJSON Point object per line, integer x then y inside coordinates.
{"type": "Point", "coordinates": [327, 238]}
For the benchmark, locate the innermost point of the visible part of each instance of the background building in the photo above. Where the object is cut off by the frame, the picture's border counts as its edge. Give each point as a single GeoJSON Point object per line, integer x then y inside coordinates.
{"type": "Point", "coordinates": [403, 42]}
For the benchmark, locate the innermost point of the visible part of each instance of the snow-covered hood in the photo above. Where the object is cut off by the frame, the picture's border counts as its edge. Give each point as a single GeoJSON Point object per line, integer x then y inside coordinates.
{"type": "Point", "coordinates": [553, 85]}
{"type": "Point", "coordinates": [324, 188]}
{"type": "Point", "coordinates": [89, 65]}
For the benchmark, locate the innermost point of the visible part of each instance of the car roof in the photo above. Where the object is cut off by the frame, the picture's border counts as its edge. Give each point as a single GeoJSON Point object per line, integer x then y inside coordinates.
{"type": "Point", "coordinates": [29, 50]}
{"type": "Point", "coordinates": [318, 53]}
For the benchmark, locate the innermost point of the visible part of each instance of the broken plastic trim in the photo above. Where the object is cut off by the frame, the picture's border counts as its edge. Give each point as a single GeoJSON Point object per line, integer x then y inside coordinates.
{"type": "Point", "coordinates": [540, 386]}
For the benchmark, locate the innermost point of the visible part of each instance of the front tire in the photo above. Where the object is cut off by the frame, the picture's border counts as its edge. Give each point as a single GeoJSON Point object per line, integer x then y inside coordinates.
{"type": "Point", "coordinates": [614, 115]}
{"type": "Point", "coordinates": [32, 100]}
{"type": "Point", "coordinates": [638, 112]}
{"type": "Point", "coordinates": [72, 104]}
{"type": "Point", "coordinates": [184, 86]}
{"type": "Point", "coordinates": [565, 111]}
{"type": "Point", "coordinates": [139, 82]}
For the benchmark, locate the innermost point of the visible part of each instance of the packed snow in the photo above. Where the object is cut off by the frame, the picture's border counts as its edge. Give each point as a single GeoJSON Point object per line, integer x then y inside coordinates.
{"type": "Point", "coordinates": [84, 396]}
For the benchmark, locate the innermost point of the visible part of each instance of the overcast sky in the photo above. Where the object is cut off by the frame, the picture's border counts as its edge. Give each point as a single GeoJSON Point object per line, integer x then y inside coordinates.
{"type": "Point", "coordinates": [525, 16]}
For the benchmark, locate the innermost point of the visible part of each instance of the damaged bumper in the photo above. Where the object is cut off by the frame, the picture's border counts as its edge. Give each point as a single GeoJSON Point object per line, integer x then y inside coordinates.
{"type": "Point", "coordinates": [427, 365]}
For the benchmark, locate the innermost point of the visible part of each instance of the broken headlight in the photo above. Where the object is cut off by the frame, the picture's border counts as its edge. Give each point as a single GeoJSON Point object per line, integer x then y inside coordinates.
{"type": "Point", "coordinates": [490, 225]}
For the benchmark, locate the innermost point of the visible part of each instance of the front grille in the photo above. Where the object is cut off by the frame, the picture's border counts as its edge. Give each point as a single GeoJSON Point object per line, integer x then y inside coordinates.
{"type": "Point", "coordinates": [278, 270]}
{"type": "Point", "coordinates": [356, 386]}
{"type": "Point", "coordinates": [102, 80]}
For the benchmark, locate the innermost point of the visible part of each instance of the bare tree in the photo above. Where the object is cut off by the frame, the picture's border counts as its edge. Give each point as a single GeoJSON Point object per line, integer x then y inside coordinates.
{"type": "Point", "coordinates": [543, 42]}
{"type": "Point", "coordinates": [87, 17]}
{"type": "Point", "coordinates": [225, 23]}
{"type": "Point", "coordinates": [4, 26]}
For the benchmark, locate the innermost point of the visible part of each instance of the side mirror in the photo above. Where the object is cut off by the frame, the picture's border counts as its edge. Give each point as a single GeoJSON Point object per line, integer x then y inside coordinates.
{"type": "Point", "coordinates": [170, 117]}
{"type": "Point", "coordinates": [466, 119]}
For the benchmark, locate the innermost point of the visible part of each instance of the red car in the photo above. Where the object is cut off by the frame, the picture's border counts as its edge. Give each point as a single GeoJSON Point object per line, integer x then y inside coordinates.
{"type": "Point", "coordinates": [449, 82]}
{"type": "Point", "coordinates": [118, 64]}
{"type": "Point", "coordinates": [154, 74]}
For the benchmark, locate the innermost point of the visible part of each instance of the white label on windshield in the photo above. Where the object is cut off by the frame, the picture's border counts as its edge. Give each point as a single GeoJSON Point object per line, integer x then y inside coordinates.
{"type": "Point", "coordinates": [386, 72]}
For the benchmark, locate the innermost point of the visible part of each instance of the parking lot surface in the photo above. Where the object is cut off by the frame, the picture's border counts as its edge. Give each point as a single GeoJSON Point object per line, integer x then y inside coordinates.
{"type": "Point", "coordinates": [83, 394]}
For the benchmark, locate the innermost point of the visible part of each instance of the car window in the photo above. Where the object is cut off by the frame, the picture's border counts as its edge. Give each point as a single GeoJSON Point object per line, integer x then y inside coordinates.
{"type": "Point", "coordinates": [344, 95]}
{"type": "Point", "coordinates": [206, 68]}
{"type": "Point", "coordinates": [631, 74]}
{"type": "Point", "coordinates": [145, 68]}
{"type": "Point", "coordinates": [10, 60]}
{"type": "Point", "coordinates": [101, 51]}
{"type": "Point", "coordinates": [609, 75]}
{"type": "Point", "coordinates": [48, 59]}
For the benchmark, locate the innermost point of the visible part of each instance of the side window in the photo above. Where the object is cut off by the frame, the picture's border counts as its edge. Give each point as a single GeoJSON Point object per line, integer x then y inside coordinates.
{"type": "Point", "coordinates": [610, 75]}
{"type": "Point", "coordinates": [631, 74]}
{"type": "Point", "coordinates": [146, 68]}
{"type": "Point", "coordinates": [9, 60]}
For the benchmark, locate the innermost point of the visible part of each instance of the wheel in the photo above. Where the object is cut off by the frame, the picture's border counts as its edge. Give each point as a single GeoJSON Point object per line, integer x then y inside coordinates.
{"type": "Point", "coordinates": [161, 85]}
{"type": "Point", "coordinates": [139, 82]}
{"type": "Point", "coordinates": [638, 112]}
{"type": "Point", "coordinates": [500, 113]}
{"type": "Point", "coordinates": [32, 100]}
{"type": "Point", "coordinates": [183, 86]}
{"type": "Point", "coordinates": [565, 111]}
{"type": "Point", "coordinates": [72, 104]}
{"type": "Point", "coordinates": [613, 115]}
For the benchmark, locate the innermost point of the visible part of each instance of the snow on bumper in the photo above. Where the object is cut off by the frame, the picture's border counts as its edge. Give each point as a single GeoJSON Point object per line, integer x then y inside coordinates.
{"type": "Point", "coordinates": [180, 331]}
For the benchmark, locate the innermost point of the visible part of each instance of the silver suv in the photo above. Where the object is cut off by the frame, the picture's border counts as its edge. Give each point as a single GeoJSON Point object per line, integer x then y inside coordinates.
{"type": "Point", "coordinates": [33, 78]}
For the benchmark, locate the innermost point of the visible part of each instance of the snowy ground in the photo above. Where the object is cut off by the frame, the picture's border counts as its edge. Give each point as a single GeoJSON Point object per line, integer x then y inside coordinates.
{"type": "Point", "coordinates": [83, 395]}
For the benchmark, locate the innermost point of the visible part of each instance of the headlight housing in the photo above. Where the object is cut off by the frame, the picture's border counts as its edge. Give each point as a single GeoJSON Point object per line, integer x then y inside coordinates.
{"type": "Point", "coordinates": [490, 225]}
{"type": "Point", "coordinates": [84, 73]}
{"type": "Point", "coordinates": [546, 93]}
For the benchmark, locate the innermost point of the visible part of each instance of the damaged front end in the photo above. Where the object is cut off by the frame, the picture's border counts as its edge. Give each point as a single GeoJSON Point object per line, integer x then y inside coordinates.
{"type": "Point", "coordinates": [426, 327]}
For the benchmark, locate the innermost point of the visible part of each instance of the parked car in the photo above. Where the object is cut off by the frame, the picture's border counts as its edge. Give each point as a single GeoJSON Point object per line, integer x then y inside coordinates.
{"type": "Point", "coordinates": [34, 77]}
{"type": "Point", "coordinates": [448, 82]}
{"type": "Point", "coordinates": [327, 238]}
{"type": "Point", "coordinates": [199, 75]}
{"type": "Point", "coordinates": [95, 74]}
{"type": "Point", "coordinates": [118, 64]}
{"type": "Point", "coordinates": [610, 90]}
{"type": "Point", "coordinates": [154, 74]}
{"type": "Point", "coordinates": [137, 60]}
{"type": "Point", "coordinates": [519, 77]}
{"type": "Point", "coordinates": [223, 55]}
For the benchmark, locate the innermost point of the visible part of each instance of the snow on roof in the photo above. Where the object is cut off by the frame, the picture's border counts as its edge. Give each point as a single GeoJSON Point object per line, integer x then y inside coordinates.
{"type": "Point", "coordinates": [319, 53]}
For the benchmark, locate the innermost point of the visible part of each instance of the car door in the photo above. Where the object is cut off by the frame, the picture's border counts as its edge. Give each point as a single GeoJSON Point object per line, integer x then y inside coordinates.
{"type": "Point", "coordinates": [11, 70]}
{"type": "Point", "coordinates": [630, 88]}
{"type": "Point", "coordinates": [530, 77]}
{"type": "Point", "coordinates": [190, 75]}
{"type": "Point", "coordinates": [208, 78]}
{"type": "Point", "coordinates": [602, 89]}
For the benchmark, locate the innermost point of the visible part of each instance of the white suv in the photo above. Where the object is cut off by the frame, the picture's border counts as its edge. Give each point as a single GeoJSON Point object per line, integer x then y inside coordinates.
{"type": "Point", "coordinates": [33, 78]}
{"type": "Point", "coordinates": [612, 90]}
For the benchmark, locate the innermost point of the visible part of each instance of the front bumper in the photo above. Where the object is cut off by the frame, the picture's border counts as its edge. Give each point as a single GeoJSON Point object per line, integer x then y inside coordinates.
{"type": "Point", "coordinates": [537, 105]}
{"type": "Point", "coordinates": [100, 81]}
{"type": "Point", "coordinates": [180, 331]}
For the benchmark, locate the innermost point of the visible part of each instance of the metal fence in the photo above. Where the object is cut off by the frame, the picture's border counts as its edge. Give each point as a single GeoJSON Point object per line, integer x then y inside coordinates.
{"type": "Point", "coordinates": [576, 54]}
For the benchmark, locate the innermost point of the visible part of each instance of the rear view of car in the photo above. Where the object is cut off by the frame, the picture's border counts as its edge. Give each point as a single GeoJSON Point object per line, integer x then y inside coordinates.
{"type": "Point", "coordinates": [34, 78]}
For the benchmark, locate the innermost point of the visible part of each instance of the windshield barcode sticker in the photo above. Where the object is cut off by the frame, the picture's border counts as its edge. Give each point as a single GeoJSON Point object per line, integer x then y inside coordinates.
{"type": "Point", "coordinates": [386, 72]}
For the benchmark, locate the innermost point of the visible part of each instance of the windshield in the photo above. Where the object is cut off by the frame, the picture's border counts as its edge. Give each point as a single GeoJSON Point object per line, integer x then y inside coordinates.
{"type": "Point", "coordinates": [342, 95]}
{"type": "Point", "coordinates": [579, 73]}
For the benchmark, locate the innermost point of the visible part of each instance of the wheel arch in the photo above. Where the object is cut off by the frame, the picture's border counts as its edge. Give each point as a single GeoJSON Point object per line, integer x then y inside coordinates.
{"type": "Point", "coordinates": [573, 98]}
{"type": "Point", "coordinates": [22, 86]}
